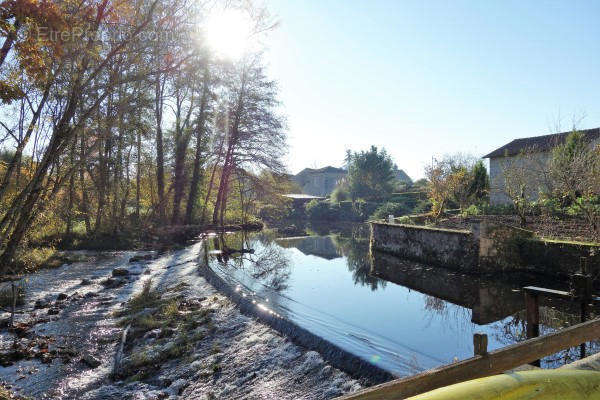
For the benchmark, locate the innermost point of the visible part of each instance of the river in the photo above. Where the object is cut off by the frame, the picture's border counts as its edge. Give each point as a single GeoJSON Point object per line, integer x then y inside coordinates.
{"type": "Point", "coordinates": [402, 316]}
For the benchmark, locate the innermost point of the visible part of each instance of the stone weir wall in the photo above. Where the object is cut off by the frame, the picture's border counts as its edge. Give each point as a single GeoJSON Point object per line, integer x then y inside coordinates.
{"type": "Point", "coordinates": [441, 247]}
{"type": "Point", "coordinates": [487, 248]}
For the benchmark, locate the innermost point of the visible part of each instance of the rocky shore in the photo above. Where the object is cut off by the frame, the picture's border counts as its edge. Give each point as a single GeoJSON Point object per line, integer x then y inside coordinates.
{"type": "Point", "coordinates": [126, 325]}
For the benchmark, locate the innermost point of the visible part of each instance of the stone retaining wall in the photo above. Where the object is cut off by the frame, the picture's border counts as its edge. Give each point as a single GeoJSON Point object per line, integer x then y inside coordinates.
{"type": "Point", "coordinates": [442, 247]}
{"type": "Point", "coordinates": [486, 248]}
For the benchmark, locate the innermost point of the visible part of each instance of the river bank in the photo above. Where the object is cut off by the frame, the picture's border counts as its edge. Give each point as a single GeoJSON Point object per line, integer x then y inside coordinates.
{"type": "Point", "coordinates": [70, 329]}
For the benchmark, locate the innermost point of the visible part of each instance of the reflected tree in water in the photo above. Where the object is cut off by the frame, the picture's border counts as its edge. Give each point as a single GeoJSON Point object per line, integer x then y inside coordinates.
{"type": "Point", "coordinates": [358, 259]}
{"type": "Point", "coordinates": [551, 319]}
{"type": "Point", "coordinates": [270, 265]}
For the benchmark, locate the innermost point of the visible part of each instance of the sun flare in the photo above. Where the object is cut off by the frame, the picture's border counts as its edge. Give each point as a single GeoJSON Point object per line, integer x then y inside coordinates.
{"type": "Point", "coordinates": [229, 33]}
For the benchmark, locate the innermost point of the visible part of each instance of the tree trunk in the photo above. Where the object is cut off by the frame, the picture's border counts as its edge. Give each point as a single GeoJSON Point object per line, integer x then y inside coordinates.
{"type": "Point", "coordinates": [196, 173]}
{"type": "Point", "coordinates": [160, 159]}
{"type": "Point", "coordinates": [85, 211]}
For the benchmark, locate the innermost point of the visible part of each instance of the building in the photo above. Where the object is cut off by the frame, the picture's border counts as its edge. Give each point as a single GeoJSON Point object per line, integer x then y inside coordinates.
{"type": "Point", "coordinates": [322, 181]}
{"type": "Point", "coordinates": [529, 157]}
{"type": "Point", "coordinates": [319, 182]}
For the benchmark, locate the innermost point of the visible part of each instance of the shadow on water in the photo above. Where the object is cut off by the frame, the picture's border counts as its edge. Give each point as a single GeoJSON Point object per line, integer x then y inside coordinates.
{"type": "Point", "coordinates": [399, 315]}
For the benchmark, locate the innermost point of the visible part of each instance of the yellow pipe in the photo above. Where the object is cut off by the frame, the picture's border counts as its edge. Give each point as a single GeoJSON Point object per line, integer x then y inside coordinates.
{"type": "Point", "coordinates": [527, 385]}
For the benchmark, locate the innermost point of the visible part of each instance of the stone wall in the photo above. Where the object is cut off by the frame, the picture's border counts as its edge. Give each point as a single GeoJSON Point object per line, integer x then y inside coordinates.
{"type": "Point", "coordinates": [534, 166]}
{"type": "Point", "coordinates": [486, 248]}
{"type": "Point", "coordinates": [442, 247]}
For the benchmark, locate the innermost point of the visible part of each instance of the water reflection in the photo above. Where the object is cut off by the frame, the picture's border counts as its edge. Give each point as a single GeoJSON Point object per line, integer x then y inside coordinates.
{"type": "Point", "coordinates": [442, 286]}
{"type": "Point", "coordinates": [401, 315]}
{"type": "Point", "coordinates": [270, 265]}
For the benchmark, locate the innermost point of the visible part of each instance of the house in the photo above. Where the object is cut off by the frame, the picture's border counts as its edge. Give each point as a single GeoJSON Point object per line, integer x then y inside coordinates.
{"type": "Point", "coordinates": [531, 156]}
{"type": "Point", "coordinates": [322, 181]}
{"type": "Point", "coordinates": [319, 182]}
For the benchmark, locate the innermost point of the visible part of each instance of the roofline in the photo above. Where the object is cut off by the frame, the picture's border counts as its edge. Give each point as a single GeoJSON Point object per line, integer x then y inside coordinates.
{"type": "Point", "coordinates": [533, 148]}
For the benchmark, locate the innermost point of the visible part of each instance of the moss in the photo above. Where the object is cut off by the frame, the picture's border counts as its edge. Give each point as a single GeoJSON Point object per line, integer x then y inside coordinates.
{"type": "Point", "coordinates": [147, 311]}
{"type": "Point", "coordinates": [216, 367]}
{"type": "Point", "coordinates": [6, 394]}
{"type": "Point", "coordinates": [570, 242]}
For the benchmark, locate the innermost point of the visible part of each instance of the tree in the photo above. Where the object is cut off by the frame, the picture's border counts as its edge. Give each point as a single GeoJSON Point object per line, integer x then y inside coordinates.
{"type": "Point", "coordinates": [575, 172]}
{"type": "Point", "coordinates": [480, 182]}
{"type": "Point", "coordinates": [113, 117]}
{"type": "Point", "coordinates": [370, 174]}
{"type": "Point", "coordinates": [457, 178]}
{"type": "Point", "coordinates": [521, 183]}
{"type": "Point", "coordinates": [254, 135]}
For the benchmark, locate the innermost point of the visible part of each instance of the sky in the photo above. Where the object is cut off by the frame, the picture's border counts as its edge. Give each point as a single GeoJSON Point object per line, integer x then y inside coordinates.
{"type": "Point", "coordinates": [428, 78]}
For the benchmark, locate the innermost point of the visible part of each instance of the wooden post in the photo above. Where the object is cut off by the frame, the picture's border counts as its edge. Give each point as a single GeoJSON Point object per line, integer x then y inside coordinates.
{"type": "Point", "coordinates": [532, 309]}
{"type": "Point", "coordinates": [581, 289]}
{"type": "Point", "coordinates": [480, 343]}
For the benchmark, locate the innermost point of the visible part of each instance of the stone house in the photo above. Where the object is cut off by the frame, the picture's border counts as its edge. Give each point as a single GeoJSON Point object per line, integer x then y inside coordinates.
{"type": "Point", "coordinates": [322, 181]}
{"type": "Point", "coordinates": [319, 182]}
{"type": "Point", "coordinates": [530, 157]}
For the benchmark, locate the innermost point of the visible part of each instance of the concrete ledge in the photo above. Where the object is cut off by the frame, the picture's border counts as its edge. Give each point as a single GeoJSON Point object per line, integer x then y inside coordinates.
{"type": "Point", "coordinates": [425, 227]}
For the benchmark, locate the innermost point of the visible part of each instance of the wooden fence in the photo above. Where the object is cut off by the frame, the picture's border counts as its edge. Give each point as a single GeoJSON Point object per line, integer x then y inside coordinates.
{"type": "Point", "coordinates": [484, 364]}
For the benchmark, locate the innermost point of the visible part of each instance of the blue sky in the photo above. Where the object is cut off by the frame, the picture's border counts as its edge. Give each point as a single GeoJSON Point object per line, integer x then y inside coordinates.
{"type": "Point", "coordinates": [428, 78]}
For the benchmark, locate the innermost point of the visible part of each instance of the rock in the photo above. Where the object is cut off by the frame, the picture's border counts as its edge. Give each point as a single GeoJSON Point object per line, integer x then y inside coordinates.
{"type": "Point", "coordinates": [41, 303]}
{"type": "Point", "coordinates": [85, 282]}
{"type": "Point", "coordinates": [21, 329]}
{"type": "Point", "coordinates": [153, 334]}
{"type": "Point", "coordinates": [178, 386]}
{"type": "Point", "coordinates": [120, 272]}
{"type": "Point", "coordinates": [91, 294]}
{"type": "Point", "coordinates": [68, 351]}
{"type": "Point", "coordinates": [46, 358]}
{"type": "Point", "coordinates": [61, 297]}
{"type": "Point", "coordinates": [91, 361]}
{"type": "Point", "coordinates": [144, 257]}
{"type": "Point", "coordinates": [147, 272]}
{"type": "Point", "coordinates": [112, 282]}
{"type": "Point", "coordinates": [53, 311]}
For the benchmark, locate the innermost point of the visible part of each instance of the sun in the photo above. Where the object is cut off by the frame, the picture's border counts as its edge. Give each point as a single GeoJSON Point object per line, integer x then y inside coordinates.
{"type": "Point", "coordinates": [228, 33]}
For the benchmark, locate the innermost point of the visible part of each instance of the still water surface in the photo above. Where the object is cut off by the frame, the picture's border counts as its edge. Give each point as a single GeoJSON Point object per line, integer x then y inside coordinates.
{"type": "Point", "coordinates": [403, 316]}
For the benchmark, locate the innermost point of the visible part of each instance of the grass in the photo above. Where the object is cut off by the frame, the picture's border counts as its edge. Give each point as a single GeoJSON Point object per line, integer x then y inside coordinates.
{"type": "Point", "coordinates": [31, 259]}
{"type": "Point", "coordinates": [6, 394]}
{"type": "Point", "coordinates": [177, 322]}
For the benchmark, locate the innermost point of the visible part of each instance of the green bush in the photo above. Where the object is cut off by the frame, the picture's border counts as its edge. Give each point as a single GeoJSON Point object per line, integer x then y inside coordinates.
{"type": "Point", "coordinates": [472, 210]}
{"type": "Point", "coordinates": [272, 212]}
{"type": "Point", "coordinates": [422, 207]}
{"type": "Point", "coordinates": [340, 194]}
{"type": "Point", "coordinates": [405, 220]}
{"type": "Point", "coordinates": [500, 209]}
{"type": "Point", "coordinates": [322, 210]}
{"type": "Point", "coordinates": [395, 209]}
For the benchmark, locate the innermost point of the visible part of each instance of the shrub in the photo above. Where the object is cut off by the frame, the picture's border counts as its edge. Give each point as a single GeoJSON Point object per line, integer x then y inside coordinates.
{"type": "Point", "coordinates": [406, 220]}
{"type": "Point", "coordinates": [340, 194]}
{"type": "Point", "coordinates": [472, 210]}
{"type": "Point", "coordinates": [272, 212]}
{"type": "Point", "coordinates": [500, 209]}
{"type": "Point", "coordinates": [422, 207]}
{"type": "Point", "coordinates": [395, 209]}
{"type": "Point", "coordinates": [31, 259]}
{"type": "Point", "coordinates": [322, 210]}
